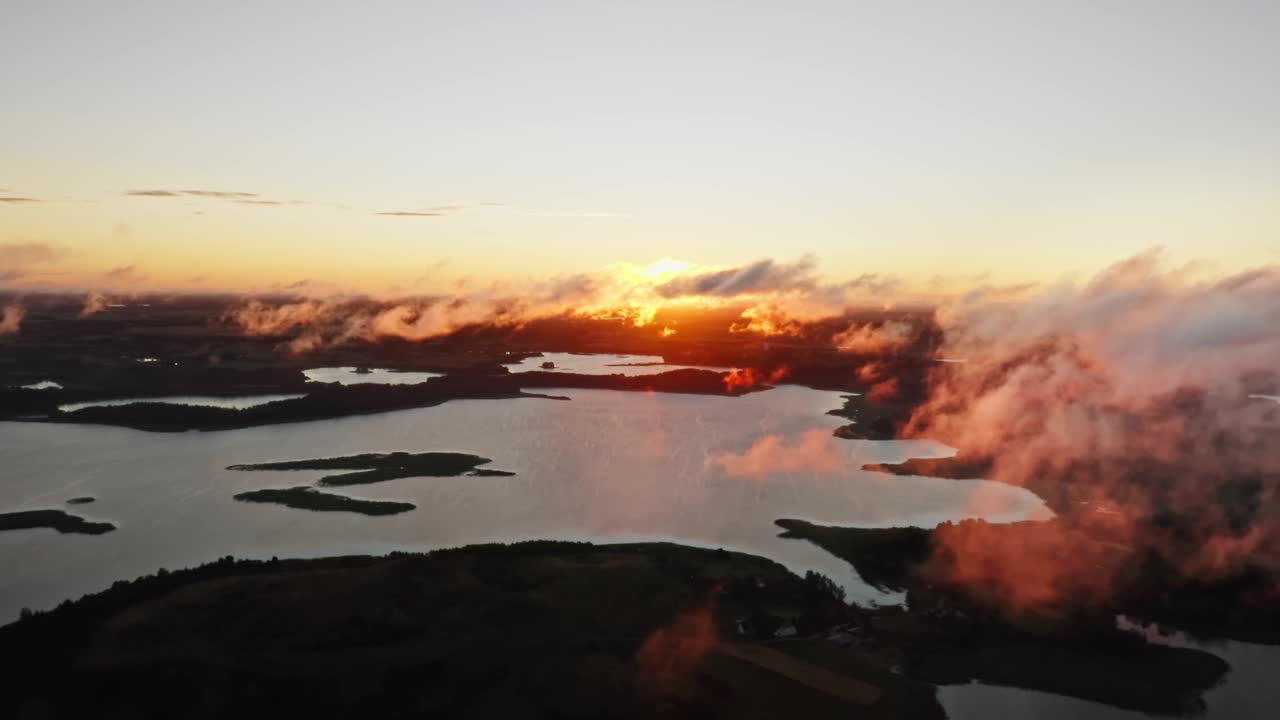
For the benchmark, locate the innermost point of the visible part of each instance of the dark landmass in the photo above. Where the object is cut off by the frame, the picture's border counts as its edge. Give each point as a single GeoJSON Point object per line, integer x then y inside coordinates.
{"type": "Point", "coordinates": [428, 463]}
{"type": "Point", "coordinates": [368, 477]}
{"type": "Point", "coordinates": [540, 629]}
{"type": "Point", "coordinates": [958, 467]}
{"type": "Point", "coordinates": [325, 401]}
{"type": "Point", "coordinates": [1062, 498]}
{"type": "Point", "coordinates": [59, 520]}
{"type": "Point", "coordinates": [1238, 605]}
{"type": "Point", "coordinates": [948, 638]}
{"type": "Point", "coordinates": [883, 557]}
{"type": "Point", "coordinates": [304, 497]}
{"type": "Point", "coordinates": [872, 420]}
{"type": "Point", "coordinates": [169, 345]}
{"type": "Point", "coordinates": [379, 467]}
{"type": "Point", "coordinates": [81, 500]}
{"type": "Point", "coordinates": [332, 400]}
{"type": "Point", "coordinates": [1238, 501]}
{"type": "Point", "coordinates": [1122, 670]}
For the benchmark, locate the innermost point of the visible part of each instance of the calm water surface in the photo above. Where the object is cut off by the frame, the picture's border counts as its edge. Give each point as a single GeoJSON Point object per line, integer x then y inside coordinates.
{"type": "Point", "coordinates": [603, 364]}
{"type": "Point", "coordinates": [377, 376]}
{"type": "Point", "coordinates": [234, 403]}
{"type": "Point", "coordinates": [605, 465]}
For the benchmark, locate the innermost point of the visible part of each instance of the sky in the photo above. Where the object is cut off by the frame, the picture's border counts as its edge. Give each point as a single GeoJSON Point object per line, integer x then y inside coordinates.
{"type": "Point", "coordinates": [414, 146]}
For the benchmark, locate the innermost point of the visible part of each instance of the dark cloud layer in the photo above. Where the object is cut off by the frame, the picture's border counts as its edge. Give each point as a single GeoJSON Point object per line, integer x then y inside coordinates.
{"type": "Point", "coordinates": [218, 194]}
{"type": "Point", "coordinates": [235, 196]}
{"type": "Point", "coordinates": [764, 276]}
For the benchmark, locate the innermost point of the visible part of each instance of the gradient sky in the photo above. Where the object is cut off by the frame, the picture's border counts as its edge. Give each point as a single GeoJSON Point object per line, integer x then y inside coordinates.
{"type": "Point", "coordinates": [992, 141]}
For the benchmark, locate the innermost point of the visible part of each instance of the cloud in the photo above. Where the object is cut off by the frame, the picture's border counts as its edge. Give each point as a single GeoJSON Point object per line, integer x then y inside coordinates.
{"type": "Point", "coordinates": [574, 288]}
{"type": "Point", "coordinates": [333, 320]}
{"type": "Point", "coordinates": [766, 319]}
{"type": "Point", "coordinates": [220, 194]}
{"type": "Point", "coordinates": [748, 378]}
{"type": "Point", "coordinates": [441, 210]}
{"type": "Point", "coordinates": [668, 660]}
{"type": "Point", "coordinates": [623, 292]}
{"type": "Point", "coordinates": [873, 337]}
{"type": "Point", "coordinates": [873, 283]}
{"type": "Point", "coordinates": [12, 254]}
{"type": "Point", "coordinates": [1130, 392]}
{"type": "Point", "coordinates": [576, 214]}
{"type": "Point", "coordinates": [11, 319]}
{"type": "Point", "coordinates": [813, 452]}
{"type": "Point", "coordinates": [217, 194]}
{"type": "Point", "coordinates": [126, 275]}
{"type": "Point", "coordinates": [760, 277]}
{"type": "Point", "coordinates": [461, 207]}
{"type": "Point", "coordinates": [243, 198]}
{"type": "Point", "coordinates": [94, 303]}
{"type": "Point", "coordinates": [18, 259]}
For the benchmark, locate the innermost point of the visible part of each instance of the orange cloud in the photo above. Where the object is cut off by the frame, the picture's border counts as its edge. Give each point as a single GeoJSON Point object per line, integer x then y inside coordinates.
{"type": "Point", "coordinates": [748, 378]}
{"type": "Point", "coordinates": [1131, 394]}
{"type": "Point", "coordinates": [670, 656]}
{"type": "Point", "coordinates": [871, 338]}
{"type": "Point", "coordinates": [94, 303]}
{"type": "Point", "coordinates": [885, 391]}
{"type": "Point", "coordinates": [814, 451]}
{"type": "Point", "coordinates": [11, 319]}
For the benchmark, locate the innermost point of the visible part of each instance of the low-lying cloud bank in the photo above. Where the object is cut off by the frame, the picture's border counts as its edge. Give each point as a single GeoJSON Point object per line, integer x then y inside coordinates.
{"type": "Point", "coordinates": [1129, 402]}
{"type": "Point", "coordinates": [780, 299]}
{"type": "Point", "coordinates": [1127, 397]}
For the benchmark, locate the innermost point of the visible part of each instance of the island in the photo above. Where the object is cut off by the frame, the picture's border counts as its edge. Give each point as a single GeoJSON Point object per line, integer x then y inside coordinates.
{"type": "Point", "coordinates": [541, 629]}
{"type": "Point", "coordinates": [333, 400]}
{"type": "Point", "coordinates": [380, 467]}
{"type": "Point", "coordinates": [304, 497]}
{"type": "Point", "coordinates": [59, 520]}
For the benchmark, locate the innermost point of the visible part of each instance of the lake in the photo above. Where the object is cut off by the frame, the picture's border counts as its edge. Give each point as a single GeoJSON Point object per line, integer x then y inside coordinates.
{"type": "Point", "coordinates": [231, 403]}
{"type": "Point", "coordinates": [380, 376]}
{"type": "Point", "coordinates": [604, 465]}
